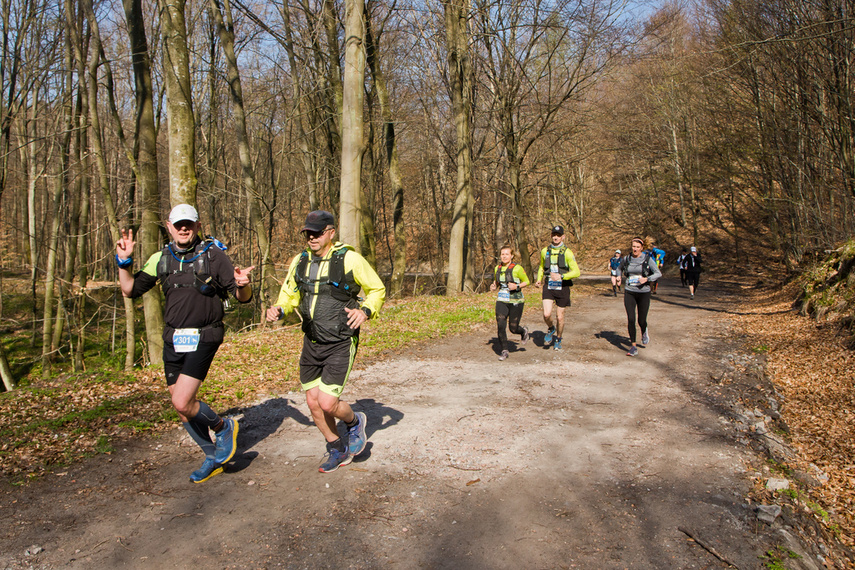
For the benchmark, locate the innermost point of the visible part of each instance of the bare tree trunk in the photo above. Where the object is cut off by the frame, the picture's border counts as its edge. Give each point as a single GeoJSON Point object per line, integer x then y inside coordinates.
{"type": "Point", "coordinates": [50, 274]}
{"type": "Point", "coordinates": [103, 181]}
{"type": "Point", "coordinates": [9, 381]}
{"type": "Point", "coordinates": [460, 70]}
{"type": "Point", "coordinates": [352, 126]}
{"type": "Point", "coordinates": [225, 30]}
{"type": "Point", "coordinates": [399, 257]}
{"type": "Point", "coordinates": [181, 122]}
{"type": "Point", "coordinates": [145, 147]}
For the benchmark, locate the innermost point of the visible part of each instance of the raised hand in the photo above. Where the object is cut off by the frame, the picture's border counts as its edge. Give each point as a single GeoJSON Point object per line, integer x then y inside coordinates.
{"type": "Point", "coordinates": [125, 245]}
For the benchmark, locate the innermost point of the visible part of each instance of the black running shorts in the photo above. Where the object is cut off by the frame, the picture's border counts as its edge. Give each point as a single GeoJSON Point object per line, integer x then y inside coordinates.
{"type": "Point", "coordinates": [194, 364]}
{"type": "Point", "coordinates": [560, 296]}
{"type": "Point", "coordinates": [327, 366]}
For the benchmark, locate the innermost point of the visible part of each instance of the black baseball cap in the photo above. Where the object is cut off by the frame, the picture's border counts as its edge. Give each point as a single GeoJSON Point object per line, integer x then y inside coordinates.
{"type": "Point", "coordinates": [558, 230]}
{"type": "Point", "coordinates": [318, 221]}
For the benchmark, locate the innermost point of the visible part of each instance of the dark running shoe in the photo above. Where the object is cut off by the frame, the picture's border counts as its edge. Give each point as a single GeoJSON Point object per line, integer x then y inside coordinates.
{"type": "Point", "coordinates": [226, 441]}
{"type": "Point", "coordinates": [645, 338]}
{"type": "Point", "coordinates": [633, 351]}
{"type": "Point", "coordinates": [334, 459]}
{"type": "Point", "coordinates": [356, 439]}
{"type": "Point", "coordinates": [208, 469]}
{"type": "Point", "coordinates": [525, 336]}
{"type": "Point", "coordinates": [504, 355]}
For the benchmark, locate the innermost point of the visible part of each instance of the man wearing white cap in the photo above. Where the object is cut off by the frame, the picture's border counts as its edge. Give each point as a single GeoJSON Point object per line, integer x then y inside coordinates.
{"type": "Point", "coordinates": [196, 276]}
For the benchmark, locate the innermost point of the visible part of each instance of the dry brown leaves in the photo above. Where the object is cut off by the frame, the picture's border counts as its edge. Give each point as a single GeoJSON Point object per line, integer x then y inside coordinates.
{"type": "Point", "coordinates": [815, 372]}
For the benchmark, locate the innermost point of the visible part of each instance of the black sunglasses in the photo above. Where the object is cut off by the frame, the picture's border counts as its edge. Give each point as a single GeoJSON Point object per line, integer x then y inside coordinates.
{"type": "Point", "coordinates": [314, 235]}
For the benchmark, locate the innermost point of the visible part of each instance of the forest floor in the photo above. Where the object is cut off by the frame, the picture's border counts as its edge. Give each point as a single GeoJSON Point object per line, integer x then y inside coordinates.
{"type": "Point", "coordinates": [579, 458]}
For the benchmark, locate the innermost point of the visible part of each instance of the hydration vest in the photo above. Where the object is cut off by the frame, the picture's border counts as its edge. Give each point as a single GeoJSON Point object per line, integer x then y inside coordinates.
{"type": "Point", "coordinates": [341, 287]}
{"type": "Point", "coordinates": [322, 312]}
{"type": "Point", "coordinates": [173, 269]}
{"type": "Point", "coordinates": [509, 274]}
{"type": "Point", "coordinates": [645, 265]}
{"type": "Point", "coordinates": [562, 260]}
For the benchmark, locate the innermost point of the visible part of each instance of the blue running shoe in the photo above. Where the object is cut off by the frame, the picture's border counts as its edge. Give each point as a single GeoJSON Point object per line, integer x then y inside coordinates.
{"type": "Point", "coordinates": [633, 351]}
{"type": "Point", "coordinates": [356, 438]}
{"type": "Point", "coordinates": [645, 338]}
{"type": "Point", "coordinates": [208, 469]}
{"type": "Point", "coordinates": [557, 344]}
{"type": "Point", "coordinates": [549, 334]}
{"type": "Point", "coordinates": [226, 441]}
{"type": "Point", "coordinates": [334, 459]}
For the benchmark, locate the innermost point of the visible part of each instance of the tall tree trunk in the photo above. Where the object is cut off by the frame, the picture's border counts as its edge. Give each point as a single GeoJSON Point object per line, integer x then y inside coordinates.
{"type": "Point", "coordinates": [399, 257]}
{"type": "Point", "coordinates": [225, 31]}
{"type": "Point", "coordinates": [460, 70]}
{"type": "Point", "coordinates": [98, 154]}
{"type": "Point", "coordinates": [145, 136]}
{"type": "Point", "coordinates": [308, 158]}
{"type": "Point", "coordinates": [179, 103]}
{"type": "Point", "coordinates": [50, 271]}
{"type": "Point", "coordinates": [352, 126]}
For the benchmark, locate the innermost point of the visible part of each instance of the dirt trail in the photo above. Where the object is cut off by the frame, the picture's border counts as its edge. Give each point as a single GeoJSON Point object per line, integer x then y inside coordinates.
{"type": "Point", "coordinates": [580, 458]}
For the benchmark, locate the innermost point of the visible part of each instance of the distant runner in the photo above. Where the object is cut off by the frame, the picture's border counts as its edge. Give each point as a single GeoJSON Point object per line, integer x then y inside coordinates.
{"type": "Point", "coordinates": [509, 279]}
{"type": "Point", "coordinates": [641, 272]}
{"type": "Point", "coordinates": [693, 270]}
{"type": "Point", "coordinates": [558, 266]}
{"type": "Point", "coordinates": [681, 263]}
{"type": "Point", "coordinates": [614, 268]}
{"type": "Point", "coordinates": [659, 257]}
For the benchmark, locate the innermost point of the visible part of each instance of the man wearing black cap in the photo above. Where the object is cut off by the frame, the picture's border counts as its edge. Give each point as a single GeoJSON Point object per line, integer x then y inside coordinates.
{"type": "Point", "coordinates": [196, 277]}
{"type": "Point", "coordinates": [334, 290]}
{"type": "Point", "coordinates": [559, 266]}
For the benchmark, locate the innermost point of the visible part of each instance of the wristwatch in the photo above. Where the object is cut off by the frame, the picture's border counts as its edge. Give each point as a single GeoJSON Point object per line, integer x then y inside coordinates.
{"type": "Point", "coordinates": [367, 311]}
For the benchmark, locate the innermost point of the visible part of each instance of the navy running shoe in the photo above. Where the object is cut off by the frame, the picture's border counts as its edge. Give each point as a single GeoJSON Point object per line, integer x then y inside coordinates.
{"type": "Point", "coordinates": [645, 338]}
{"type": "Point", "coordinates": [334, 459]}
{"type": "Point", "coordinates": [208, 469]}
{"type": "Point", "coordinates": [356, 438]}
{"type": "Point", "coordinates": [633, 351]}
{"type": "Point", "coordinates": [549, 334]}
{"type": "Point", "coordinates": [226, 441]}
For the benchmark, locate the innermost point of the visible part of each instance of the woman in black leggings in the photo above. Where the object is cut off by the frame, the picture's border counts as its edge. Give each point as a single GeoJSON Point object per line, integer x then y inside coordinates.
{"type": "Point", "coordinates": [640, 270]}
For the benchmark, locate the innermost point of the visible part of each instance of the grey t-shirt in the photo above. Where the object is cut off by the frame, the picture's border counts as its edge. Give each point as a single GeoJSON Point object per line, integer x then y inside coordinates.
{"type": "Point", "coordinates": [634, 267]}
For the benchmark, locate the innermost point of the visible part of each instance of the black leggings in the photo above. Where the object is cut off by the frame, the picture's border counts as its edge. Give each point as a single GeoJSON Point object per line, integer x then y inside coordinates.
{"type": "Point", "coordinates": [508, 314]}
{"type": "Point", "coordinates": [631, 301]}
{"type": "Point", "coordinates": [693, 278]}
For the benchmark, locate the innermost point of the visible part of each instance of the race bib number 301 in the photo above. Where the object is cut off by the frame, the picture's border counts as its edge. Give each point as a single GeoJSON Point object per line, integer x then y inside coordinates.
{"type": "Point", "coordinates": [185, 340]}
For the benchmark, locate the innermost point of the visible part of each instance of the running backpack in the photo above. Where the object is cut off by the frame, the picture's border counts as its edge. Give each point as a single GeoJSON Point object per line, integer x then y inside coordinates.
{"type": "Point", "coordinates": [170, 266]}
{"type": "Point", "coordinates": [342, 287]}
{"type": "Point", "coordinates": [645, 265]}
{"type": "Point", "coordinates": [509, 274]}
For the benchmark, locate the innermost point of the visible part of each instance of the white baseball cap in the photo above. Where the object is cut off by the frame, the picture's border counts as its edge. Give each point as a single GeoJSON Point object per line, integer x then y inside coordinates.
{"type": "Point", "coordinates": [183, 212]}
{"type": "Point", "coordinates": [693, 249]}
